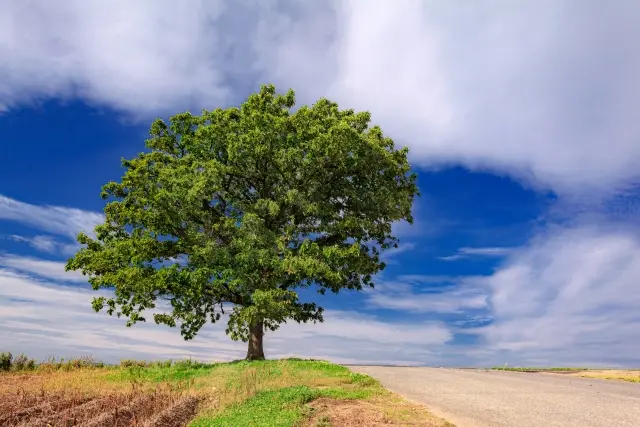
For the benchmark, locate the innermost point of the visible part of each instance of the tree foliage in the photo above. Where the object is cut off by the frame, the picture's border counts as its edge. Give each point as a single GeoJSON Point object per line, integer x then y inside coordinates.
{"type": "Point", "coordinates": [240, 207]}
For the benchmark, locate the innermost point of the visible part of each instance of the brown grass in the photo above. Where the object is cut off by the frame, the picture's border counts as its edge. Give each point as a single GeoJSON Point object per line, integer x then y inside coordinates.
{"type": "Point", "coordinates": [100, 409]}
{"type": "Point", "coordinates": [58, 381]}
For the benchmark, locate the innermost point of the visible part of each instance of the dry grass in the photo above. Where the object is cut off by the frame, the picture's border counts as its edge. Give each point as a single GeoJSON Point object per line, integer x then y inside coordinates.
{"type": "Point", "coordinates": [57, 381]}
{"type": "Point", "coordinates": [630, 375]}
{"type": "Point", "coordinates": [611, 374]}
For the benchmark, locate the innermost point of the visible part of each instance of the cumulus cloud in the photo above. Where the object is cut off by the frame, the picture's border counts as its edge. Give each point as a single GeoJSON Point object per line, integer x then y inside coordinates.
{"type": "Point", "coordinates": [139, 58]}
{"type": "Point", "coordinates": [545, 91]}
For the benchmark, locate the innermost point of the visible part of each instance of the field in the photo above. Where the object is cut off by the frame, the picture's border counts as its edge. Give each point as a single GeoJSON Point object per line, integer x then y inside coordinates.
{"type": "Point", "coordinates": [630, 375]}
{"type": "Point", "coordinates": [291, 392]}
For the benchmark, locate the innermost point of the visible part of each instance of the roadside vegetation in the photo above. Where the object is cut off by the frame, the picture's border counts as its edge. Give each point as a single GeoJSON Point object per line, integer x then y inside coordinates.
{"type": "Point", "coordinates": [629, 375]}
{"type": "Point", "coordinates": [289, 392]}
{"type": "Point", "coordinates": [534, 369]}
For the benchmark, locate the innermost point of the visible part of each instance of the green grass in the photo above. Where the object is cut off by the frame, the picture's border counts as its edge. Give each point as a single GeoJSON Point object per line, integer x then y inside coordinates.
{"type": "Point", "coordinates": [282, 407]}
{"type": "Point", "coordinates": [157, 372]}
{"type": "Point", "coordinates": [278, 408]}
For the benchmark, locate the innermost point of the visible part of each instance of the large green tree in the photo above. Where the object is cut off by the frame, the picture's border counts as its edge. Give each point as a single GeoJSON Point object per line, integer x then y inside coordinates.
{"type": "Point", "coordinates": [238, 208]}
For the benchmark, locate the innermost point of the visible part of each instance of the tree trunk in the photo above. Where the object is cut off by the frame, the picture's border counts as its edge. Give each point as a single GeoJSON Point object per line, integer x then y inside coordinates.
{"type": "Point", "coordinates": [255, 351]}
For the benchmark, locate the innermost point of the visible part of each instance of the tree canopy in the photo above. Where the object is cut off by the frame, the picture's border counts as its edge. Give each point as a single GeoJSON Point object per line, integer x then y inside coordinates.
{"type": "Point", "coordinates": [239, 208]}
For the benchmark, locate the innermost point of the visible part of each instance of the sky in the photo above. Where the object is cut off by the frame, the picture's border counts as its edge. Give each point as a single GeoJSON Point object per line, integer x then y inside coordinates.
{"type": "Point", "coordinates": [522, 124]}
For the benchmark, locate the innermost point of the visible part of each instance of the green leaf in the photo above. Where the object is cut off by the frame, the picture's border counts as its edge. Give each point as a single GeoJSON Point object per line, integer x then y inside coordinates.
{"type": "Point", "coordinates": [243, 206]}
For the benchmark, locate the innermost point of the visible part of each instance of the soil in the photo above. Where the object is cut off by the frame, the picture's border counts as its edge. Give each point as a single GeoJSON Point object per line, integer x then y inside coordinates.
{"type": "Point", "coordinates": [361, 413]}
{"type": "Point", "coordinates": [150, 409]}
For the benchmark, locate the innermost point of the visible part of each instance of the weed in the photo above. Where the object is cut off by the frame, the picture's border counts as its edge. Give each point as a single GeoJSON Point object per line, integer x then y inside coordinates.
{"type": "Point", "coordinates": [159, 372]}
{"type": "Point", "coordinates": [19, 363]}
{"type": "Point", "coordinates": [276, 408]}
{"type": "Point", "coordinates": [5, 361]}
{"type": "Point", "coordinates": [323, 421]}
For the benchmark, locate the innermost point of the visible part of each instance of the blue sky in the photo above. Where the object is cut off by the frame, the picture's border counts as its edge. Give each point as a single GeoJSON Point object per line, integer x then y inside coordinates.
{"type": "Point", "coordinates": [522, 121]}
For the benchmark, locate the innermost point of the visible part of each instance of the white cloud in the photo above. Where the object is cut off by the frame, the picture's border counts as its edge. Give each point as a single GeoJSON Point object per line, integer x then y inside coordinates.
{"type": "Point", "coordinates": [389, 255]}
{"type": "Point", "coordinates": [58, 220]}
{"type": "Point", "coordinates": [570, 297]}
{"type": "Point", "coordinates": [544, 91]}
{"type": "Point", "coordinates": [47, 244]}
{"type": "Point", "coordinates": [53, 270]}
{"type": "Point", "coordinates": [42, 317]}
{"type": "Point", "coordinates": [479, 252]}
{"type": "Point", "coordinates": [452, 295]}
{"type": "Point", "coordinates": [137, 57]}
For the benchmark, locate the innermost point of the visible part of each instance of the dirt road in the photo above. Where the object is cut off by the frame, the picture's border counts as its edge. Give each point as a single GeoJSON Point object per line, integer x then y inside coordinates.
{"type": "Point", "coordinates": [472, 398]}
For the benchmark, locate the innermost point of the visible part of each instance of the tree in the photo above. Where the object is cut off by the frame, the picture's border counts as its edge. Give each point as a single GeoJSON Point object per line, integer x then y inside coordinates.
{"type": "Point", "coordinates": [243, 206]}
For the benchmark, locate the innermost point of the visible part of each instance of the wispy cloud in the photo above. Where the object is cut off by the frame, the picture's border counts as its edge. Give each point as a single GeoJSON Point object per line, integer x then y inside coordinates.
{"type": "Point", "coordinates": [47, 244]}
{"type": "Point", "coordinates": [41, 317]}
{"type": "Point", "coordinates": [570, 297]}
{"type": "Point", "coordinates": [390, 255]}
{"type": "Point", "coordinates": [52, 270]}
{"type": "Point", "coordinates": [581, 281]}
{"type": "Point", "coordinates": [477, 252]}
{"type": "Point", "coordinates": [62, 221]}
{"type": "Point", "coordinates": [429, 294]}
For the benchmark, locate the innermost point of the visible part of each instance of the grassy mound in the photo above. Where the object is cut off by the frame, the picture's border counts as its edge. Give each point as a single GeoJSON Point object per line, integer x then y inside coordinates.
{"type": "Point", "coordinates": [289, 392]}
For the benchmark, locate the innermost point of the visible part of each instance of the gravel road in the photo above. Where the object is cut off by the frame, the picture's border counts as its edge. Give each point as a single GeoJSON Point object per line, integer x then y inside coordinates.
{"type": "Point", "coordinates": [473, 398]}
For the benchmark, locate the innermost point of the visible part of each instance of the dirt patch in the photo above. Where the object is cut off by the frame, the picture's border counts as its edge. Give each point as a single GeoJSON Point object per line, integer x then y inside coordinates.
{"type": "Point", "coordinates": [369, 413]}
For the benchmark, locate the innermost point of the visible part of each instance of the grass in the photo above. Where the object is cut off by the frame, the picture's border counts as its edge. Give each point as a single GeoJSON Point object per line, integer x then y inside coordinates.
{"type": "Point", "coordinates": [288, 392]}
{"type": "Point", "coordinates": [280, 407]}
{"type": "Point", "coordinates": [534, 369]}
{"type": "Point", "coordinates": [613, 374]}
{"type": "Point", "coordinates": [158, 373]}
